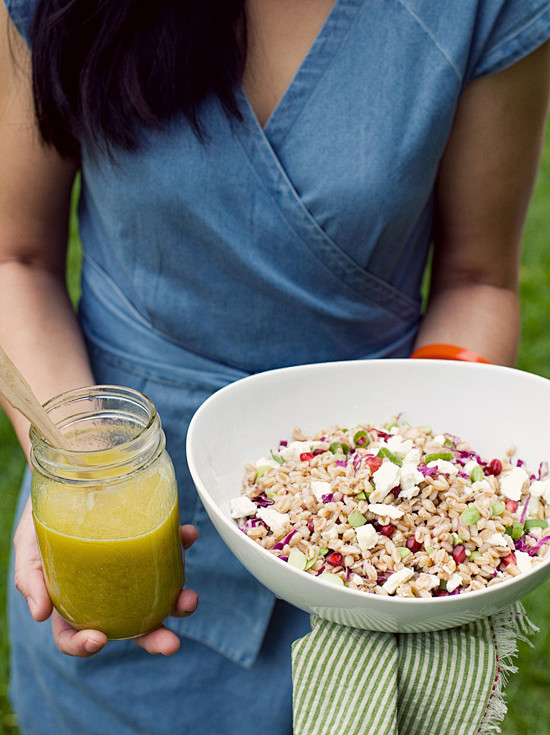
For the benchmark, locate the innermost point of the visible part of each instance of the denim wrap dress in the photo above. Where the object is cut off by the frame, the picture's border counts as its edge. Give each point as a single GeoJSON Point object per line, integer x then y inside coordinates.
{"type": "Point", "coordinates": [205, 261]}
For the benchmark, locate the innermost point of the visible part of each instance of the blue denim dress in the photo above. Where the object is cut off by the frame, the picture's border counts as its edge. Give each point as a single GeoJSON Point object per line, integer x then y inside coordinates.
{"type": "Point", "coordinates": [204, 262]}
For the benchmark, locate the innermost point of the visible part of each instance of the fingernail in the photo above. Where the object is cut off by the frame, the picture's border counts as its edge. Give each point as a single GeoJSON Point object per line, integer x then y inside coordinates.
{"type": "Point", "coordinates": [92, 646]}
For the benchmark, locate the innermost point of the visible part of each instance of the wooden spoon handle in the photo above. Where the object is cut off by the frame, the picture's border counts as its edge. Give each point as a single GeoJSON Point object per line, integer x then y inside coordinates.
{"type": "Point", "coordinates": [18, 393]}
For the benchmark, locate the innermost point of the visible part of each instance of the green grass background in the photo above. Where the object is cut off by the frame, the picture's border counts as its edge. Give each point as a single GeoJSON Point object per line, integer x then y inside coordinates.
{"type": "Point", "coordinates": [528, 690]}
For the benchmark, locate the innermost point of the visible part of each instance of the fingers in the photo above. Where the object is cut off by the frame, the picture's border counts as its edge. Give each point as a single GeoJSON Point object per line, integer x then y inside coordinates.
{"type": "Point", "coordinates": [189, 535]}
{"type": "Point", "coordinates": [29, 576]}
{"type": "Point", "coordinates": [186, 604]}
{"type": "Point", "coordinates": [161, 641]}
{"type": "Point", "coordinates": [81, 643]}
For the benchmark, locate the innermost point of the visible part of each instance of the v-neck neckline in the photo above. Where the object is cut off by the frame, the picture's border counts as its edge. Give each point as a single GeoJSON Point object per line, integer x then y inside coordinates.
{"type": "Point", "coordinates": [307, 76]}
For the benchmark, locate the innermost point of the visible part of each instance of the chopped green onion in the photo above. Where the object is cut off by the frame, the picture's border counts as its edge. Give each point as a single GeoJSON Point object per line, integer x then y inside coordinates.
{"type": "Point", "coordinates": [270, 494]}
{"type": "Point", "coordinates": [297, 559]}
{"type": "Point", "coordinates": [385, 453]}
{"type": "Point", "coordinates": [356, 519]}
{"type": "Point", "coordinates": [474, 555]}
{"type": "Point", "coordinates": [311, 562]}
{"type": "Point", "coordinates": [361, 496]}
{"type": "Point", "coordinates": [498, 508]}
{"type": "Point", "coordinates": [430, 549]}
{"type": "Point", "coordinates": [403, 551]}
{"type": "Point", "coordinates": [535, 523]}
{"type": "Point", "coordinates": [477, 474]}
{"type": "Point", "coordinates": [448, 442]}
{"type": "Point", "coordinates": [447, 456]}
{"type": "Point", "coordinates": [515, 530]}
{"type": "Point", "coordinates": [470, 516]}
{"type": "Point", "coordinates": [442, 584]}
{"type": "Point", "coordinates": [260, 472]}
{"type": "Point", "coordinates": [323, 551]}
{"type": "Point", "coordinates": [277, 459]}
{"type": "Point", "coordinates": [339, 447]}
{"type": "Point", "coordinates": [361, 439]}
{"type": "Point", "coordinates": [456, 539]}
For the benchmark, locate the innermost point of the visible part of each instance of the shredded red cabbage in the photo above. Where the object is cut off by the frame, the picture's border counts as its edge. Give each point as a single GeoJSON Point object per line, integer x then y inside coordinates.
{"type": "Point", "coordinates": [328, 498]}
{"type": "Point", "coordinates": [533, 550]}
{"type": "Point", "coordinates": [262, 500]}
{"type": "Point", "coordinates": [524, 512]}
{"type": "Point", "coordinates": [282, 544]}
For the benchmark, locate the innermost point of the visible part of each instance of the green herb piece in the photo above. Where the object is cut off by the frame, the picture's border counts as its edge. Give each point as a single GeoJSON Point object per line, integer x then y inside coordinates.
{"type": "Point", "coordinates": [277, 459]}
{"type": "Point", "coordinates": [385, 453]}
{"type": "Point", "coordinates": [297, 559]}
{"type": "Point", "coordinates": [498, 508]}
{"type": "Point", "coordinates": [356, 519]}
{"type": "Point", "coordinates": [477, 474]}
{"type": "Point", "coordinates": [535, 523]}
{"type": "Point", "coordinates": [470, 516]}
{"type": "Point", "coordinates": [447, 456]}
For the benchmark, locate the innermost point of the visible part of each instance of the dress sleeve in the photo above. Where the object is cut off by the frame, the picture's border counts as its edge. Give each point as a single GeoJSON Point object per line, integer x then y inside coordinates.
{"type": "Point", "coordinates": [507, 30]}
{"type": "Point", "coordinates": [21, 13]}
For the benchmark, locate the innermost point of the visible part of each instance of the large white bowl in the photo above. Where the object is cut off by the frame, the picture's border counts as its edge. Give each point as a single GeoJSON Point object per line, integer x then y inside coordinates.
{"type": "Point", "coordinates": [489, 406]}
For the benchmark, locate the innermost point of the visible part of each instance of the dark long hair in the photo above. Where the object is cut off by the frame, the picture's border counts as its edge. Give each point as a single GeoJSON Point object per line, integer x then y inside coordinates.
{"type": "Point", "coordinates": [103, 68]}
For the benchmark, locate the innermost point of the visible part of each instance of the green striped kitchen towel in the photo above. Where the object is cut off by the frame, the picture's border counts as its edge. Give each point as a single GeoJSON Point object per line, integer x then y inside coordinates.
{"type": "Point", "coordinates": [356, 682]}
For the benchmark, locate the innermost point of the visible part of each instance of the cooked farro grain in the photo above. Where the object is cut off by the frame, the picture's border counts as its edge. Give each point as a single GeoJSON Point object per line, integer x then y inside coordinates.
{"type": "Point", "coordinates": [361, 504]}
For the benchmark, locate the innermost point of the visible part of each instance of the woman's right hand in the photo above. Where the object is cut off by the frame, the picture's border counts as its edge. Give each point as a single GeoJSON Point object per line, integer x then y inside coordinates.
{"type": "Point", "coordinates": [29, 580]}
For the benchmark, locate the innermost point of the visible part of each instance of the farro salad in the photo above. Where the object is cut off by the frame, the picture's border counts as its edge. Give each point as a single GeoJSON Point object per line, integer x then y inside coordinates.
{"type": "Point", "coordinates": [396, 509]}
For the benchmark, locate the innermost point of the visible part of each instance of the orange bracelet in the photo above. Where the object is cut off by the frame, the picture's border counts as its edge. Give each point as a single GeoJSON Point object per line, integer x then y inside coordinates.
{"type": "Point", "coordinates": [447, 352]}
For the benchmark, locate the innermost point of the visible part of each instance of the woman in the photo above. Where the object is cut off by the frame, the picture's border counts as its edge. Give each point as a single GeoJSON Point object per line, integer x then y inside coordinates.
{"type": "Point", "coordinates": [261, 183]}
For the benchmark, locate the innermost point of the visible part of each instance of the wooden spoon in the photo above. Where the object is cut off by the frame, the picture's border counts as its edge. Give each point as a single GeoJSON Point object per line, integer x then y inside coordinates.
{"type": "Point", "coordinates": [18, 393]}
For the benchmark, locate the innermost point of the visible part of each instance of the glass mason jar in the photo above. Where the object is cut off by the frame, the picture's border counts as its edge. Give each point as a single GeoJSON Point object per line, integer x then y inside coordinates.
{"type": "Point", "coordinates": [106, 512]}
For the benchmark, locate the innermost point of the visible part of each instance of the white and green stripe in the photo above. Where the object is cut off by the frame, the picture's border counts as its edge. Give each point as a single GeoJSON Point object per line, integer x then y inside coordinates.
{"type": "Point", "coordinates": [358, 682]}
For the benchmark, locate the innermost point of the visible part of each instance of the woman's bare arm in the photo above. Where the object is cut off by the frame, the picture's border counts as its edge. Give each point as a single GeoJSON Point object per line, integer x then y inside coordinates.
{"type": "Point", "coordinates": [38, 326]}
{"type": "Point", "coordinates": [485, 183]}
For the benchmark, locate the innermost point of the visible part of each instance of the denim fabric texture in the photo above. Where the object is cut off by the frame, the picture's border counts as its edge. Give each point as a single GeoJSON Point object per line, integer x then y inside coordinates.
{"type": "Point", "coordinates": [302, 241]}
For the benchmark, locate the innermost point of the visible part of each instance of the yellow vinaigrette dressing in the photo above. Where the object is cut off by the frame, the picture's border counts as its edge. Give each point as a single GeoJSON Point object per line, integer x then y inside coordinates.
{"type": "Point", "coordinates": [107, 522]}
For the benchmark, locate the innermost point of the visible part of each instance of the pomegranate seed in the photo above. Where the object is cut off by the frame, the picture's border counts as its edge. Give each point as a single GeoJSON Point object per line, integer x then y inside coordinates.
{"type": "Point", "coordinates": [511, 505]}
{"type": "Point", "coordinates": [459, 553]}
{"type": "Point", "coordinates": [374, 463]}
{"type": "Point", "coordinates": [306, 456]}
{"type": "Point", "coordinates": [440, 593]}
{"type": "Point", "coordinates": [387, 530]}
{"type": "Point", "coordinates": [395, 491]}
{"type": "Point", "coordinates": [413, 545]}
{"type": "Point", "coordinates": [310, 525]}
{"type": "Point", "coordinates": [318, 451]}
{"type": "Point", "coordinates": [494, 468]}
{"type": "Point", "coordinates": [509, 559]}
{"type": "Point", "coordinates": [334, 559]}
